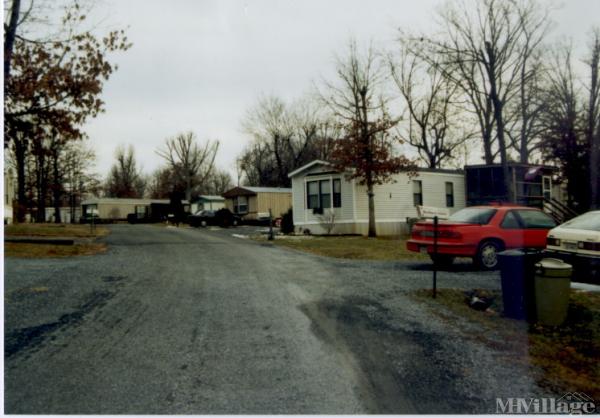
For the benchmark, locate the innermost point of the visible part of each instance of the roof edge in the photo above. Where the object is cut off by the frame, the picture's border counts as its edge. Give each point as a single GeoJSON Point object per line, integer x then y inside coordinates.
{"type": "Point", "coordinates": [307, 166]}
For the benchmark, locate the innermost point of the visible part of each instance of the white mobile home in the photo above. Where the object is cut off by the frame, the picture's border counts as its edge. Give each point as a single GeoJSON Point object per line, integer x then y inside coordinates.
{"type": "Point", "coordinates": [324, 199]}
{"type": "Point", "coordinates": [117, 209]}
{"type": "Point", "coordinates": [9, 194]}
{"type": "Point", "coordinates": [207, 202]}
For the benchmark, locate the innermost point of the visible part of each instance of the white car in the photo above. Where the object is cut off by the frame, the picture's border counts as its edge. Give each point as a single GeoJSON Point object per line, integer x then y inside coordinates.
{"type": "Point", "coordinates": [577, 242]}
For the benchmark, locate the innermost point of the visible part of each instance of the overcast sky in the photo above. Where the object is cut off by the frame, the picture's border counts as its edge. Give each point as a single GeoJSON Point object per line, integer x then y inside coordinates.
{"type": "Point", "coordinates": [199, 65]}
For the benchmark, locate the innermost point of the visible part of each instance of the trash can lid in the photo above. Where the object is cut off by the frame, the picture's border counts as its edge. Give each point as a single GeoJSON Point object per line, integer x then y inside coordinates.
{"type": "Point", "coordinates": [554, 267]}
{"type": "Point", "coordinates": [520, 252]}
{"type": "Point", "coordinates": [512, 253]}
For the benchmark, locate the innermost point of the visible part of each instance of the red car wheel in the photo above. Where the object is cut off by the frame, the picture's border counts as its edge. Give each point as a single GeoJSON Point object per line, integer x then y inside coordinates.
{"type": "Point", "coordinates": [487, 255]}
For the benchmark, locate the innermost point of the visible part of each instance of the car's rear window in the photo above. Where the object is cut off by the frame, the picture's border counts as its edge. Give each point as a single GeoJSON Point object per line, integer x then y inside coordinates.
{"type": "Point", "coordinates": [473, 215]}
{"type": "Point", "coordinates": [536, 219]}
{"type": "Point", "coordinates": [589, 221]}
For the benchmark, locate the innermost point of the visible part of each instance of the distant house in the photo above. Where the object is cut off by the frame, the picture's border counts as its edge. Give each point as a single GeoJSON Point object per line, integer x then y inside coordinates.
{"type": "Point", "coordinates": [207, 202]}
{"type": "Point", "coordinates": [253, 203]}
{"type": "Point", "coordinates": [117, 209]}
{"type": "Point", "coordinates": [67, 214]}
{"type": "Point", "coordinates": [9, 194]}
{"type": "Point", "coordinates": [319, 191]}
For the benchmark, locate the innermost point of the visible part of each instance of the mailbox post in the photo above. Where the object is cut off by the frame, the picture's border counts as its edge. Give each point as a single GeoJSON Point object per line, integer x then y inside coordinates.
{"type": "Point", "coordinates": [435, 250]}
{"type": "Point", "coordinates": [270, 225]}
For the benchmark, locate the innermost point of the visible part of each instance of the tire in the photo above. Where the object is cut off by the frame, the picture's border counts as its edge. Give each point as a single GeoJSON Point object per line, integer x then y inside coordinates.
{"type": "Point", "coordinates": [442, 260]}
{"type": "Point", "coordinates": [487, 255]}
{"type": "Point", "coordinates": [203, 224]}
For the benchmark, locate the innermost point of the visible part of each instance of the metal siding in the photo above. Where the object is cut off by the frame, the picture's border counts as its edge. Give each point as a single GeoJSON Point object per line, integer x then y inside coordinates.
{"type": "Point", "coordinates": [279, 203]}
{"type": "Point", "coordinates": [394, 201]}
{"type": "Point", "coordinates": [302, 214]}
{"type": "Point", "coordinates": [298, 199]}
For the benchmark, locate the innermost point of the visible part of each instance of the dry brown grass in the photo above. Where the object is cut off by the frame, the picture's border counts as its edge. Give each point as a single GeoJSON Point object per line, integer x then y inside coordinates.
{"type": "Point", "coordinates": [568, 355]}
{"type": "Point", "coordinates": [26, 250]}
{"type": "Point", "coordinates": [359, 248]}
{"type": "Point", "coordinates": [54, 230]}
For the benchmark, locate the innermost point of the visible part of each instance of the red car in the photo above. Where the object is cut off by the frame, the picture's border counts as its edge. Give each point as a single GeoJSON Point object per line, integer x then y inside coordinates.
{"type": "Point", "coordinates": [481, 232]}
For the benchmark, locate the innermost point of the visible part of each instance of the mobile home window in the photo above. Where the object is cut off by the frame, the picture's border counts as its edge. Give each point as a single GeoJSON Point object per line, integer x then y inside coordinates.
{"type": "Point", "coordinates": [337, 193]}
{"type": "Point", "coordinates": [449, 194]}
{"type": "Point", "coordinates": [312, 194]}
{"type": "Point", "coordinates": [417, 192]}
{"type": "Point", "coordinates": [241, 204]}
{"type": "Point", "coordinates": [325, 191]}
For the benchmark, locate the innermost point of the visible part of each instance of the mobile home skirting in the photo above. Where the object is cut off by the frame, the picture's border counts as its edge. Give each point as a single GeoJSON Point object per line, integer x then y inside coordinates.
{"type": "Point", "coordinates": [386, 227]}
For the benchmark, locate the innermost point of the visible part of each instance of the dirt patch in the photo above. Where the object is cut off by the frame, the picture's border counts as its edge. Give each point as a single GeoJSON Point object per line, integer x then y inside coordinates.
{"type": "Point", "coordinates": [54, 230]}
{"type": "Point", "coordinates": [25, 250]}
{"type": "Point", "coordinates": [399, 370]}
{"type": "Point", "coordinates": [28, 338]}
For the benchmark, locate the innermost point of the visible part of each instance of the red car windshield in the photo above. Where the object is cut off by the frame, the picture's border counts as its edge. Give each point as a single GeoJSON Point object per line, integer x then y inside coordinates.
{"type": "Point", "coordinates": [473, 215]}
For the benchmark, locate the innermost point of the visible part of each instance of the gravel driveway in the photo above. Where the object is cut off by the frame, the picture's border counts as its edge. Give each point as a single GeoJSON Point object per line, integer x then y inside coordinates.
{"type": "Point", "coordinates": [182, 320]}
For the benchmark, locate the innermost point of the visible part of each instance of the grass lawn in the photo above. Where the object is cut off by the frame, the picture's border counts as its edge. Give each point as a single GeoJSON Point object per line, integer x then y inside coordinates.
{"type": "Point", "coordinates": [31, 250]}
{"type": "Point", "coordinates": [568, 355]}
{"type": "Point", "coordinates": [360, 248]}
{"type": "Point", "coordinates": [24, 250]}
{"type": "Point", "coordinates": [54, 230]}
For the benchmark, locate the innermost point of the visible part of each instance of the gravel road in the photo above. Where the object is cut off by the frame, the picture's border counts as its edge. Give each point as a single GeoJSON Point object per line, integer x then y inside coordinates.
{"type": "Point", "coordinates": [182, 321]}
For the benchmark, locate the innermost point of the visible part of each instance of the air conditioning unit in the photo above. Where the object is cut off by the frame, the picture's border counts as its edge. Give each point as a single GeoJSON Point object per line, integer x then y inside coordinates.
{"type": "Point", "coordinates": [317, 211]}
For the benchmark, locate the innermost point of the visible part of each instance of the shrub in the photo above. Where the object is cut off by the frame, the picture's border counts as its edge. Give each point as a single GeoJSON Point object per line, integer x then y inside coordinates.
{"type": "Point", "coordinates": [287, 222]}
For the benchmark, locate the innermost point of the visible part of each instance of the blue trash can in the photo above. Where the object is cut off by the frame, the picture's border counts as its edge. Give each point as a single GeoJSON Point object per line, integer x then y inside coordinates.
{"type": "Point", "coordinates": [517, 272]}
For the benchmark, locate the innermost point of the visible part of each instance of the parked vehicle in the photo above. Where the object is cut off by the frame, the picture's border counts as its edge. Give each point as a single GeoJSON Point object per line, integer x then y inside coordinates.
{"type": "Point", "coordinates": [577, 242]}
{"type": "Point", "coordinates": [481, 232]}
{"type": "Point", "coordinates": [222, 217]}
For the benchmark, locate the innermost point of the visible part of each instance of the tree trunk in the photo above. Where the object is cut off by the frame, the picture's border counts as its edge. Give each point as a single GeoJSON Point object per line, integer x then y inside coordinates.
{"type": "Point", "coordinates": [42, 187]}
{"type": "Point", "coordinates": [498, 117]}
{"type": "Point", "coordinates": [508, 186]}
{"type": "Point", "coordinates": [188, 189]}
{"type": "Point", "coordinates": [487, 146]}
{"type": "Point", "coordinates": [56, 187]}
{"type": "Point", "coordinates": [595, 170]}
{"type": "Point", "coordinates": [372, 226]}
{"type": "Point", "coordinates": [593, 128]}
{"type": "Point", "coordinates": [9, 38]}
{"type": "Point", "coordinates": [20, 150]}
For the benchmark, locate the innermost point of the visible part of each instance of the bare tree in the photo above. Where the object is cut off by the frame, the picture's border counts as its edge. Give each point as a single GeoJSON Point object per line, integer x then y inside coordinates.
{"type": "Point", "coordinates": [190, 162]}
{"type": "Point", "coordinates": [561, 117]}
{"type": "Point", "coordinates": [525, 129]}
{"type": "Point", "coordinates": [125, 179]}
{"type": "Point", "coordinates": [482, 52]}
{"type": "Point", "coordinates": [356, 98]}
{"type": "Point", "coordinates": [284, 137]}
{"type": "Point", "coordinates": [219, 183]}
{"type": "Point", "coordinates": [571, 121]}
{"type": "Point", "coordinates": [270, 126]}
{"type": "Point", "coordinates": [78, 180]}
{"type": "Point", "coordinates": [435, 126]}
{"type": "Point", "coordinates": [161, 183]}
{"type": "Point", "coordinates": [256, 166]}
{"type": "Point", "coordinates": [592, 128]}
